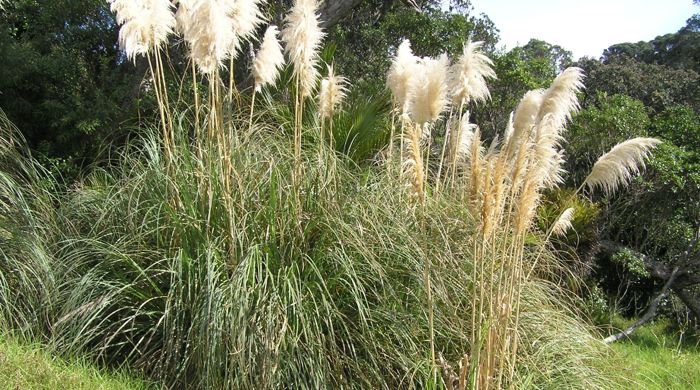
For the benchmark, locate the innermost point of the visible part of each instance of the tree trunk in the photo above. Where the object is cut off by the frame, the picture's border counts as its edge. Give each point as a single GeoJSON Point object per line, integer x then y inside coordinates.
{"type": "Point", "coordinates": [333, 11]}
{"type": "Point", "coordinates": [649, 314]}
{"type": "Point", "coordinates": [690, 300]}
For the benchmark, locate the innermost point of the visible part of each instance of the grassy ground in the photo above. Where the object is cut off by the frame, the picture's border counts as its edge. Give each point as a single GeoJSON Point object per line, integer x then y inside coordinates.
{"type": "Point", "coordinates": [657, 358]}
{"type": "Point", "coordinates": [25, 366]}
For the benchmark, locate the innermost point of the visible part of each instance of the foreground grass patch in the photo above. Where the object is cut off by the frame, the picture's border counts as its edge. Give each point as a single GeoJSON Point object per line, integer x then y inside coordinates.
{"type": "Point", "coordinates": [657, 358]}
{"type": "Point", "coordinates": [25, 366]}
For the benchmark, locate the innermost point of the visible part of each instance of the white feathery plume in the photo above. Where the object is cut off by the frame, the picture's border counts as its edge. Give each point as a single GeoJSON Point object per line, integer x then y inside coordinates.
{"type": "Point", "coordinates": [332, 93]}
{"type": "Point", "coordinates": [492, 151]}
{"type": "Point", "coordinates": [269, 59]}
{"type": "Point", "coordinates": [401, 73]}
{"type": "Point", "coordinates": [124, 10]}
{"type": "Point", "coordinates": [560, 100]}
{"type": "Point", "coordinates": [302, 36]}
{"type": "Point", "coordinates": [563, 223]}
{"type": "Point", "coordinates": [145, 24]}
{"type": "Point", "coordinates": [468, 76]}
{"type": "Point", "coordinates": [412, 166]}
{"type": "Point", "coordinates": [509, 130]}
{"type": "Point", "coordinates": [546, 157]}
{"type": "Point", "coordinates": [620, 164]}
{"type": "Point", "coordinates": [246, 17]}
{"type": "Point", "coordinates": [207, 27]}
{"type": "Point", "coordinates": [525, 118]}
{"type": "Point", "coordinates": [465, 138]}
{"type": "Point", "coordinates": [183, 18]}
{"type": "Point", "coordinates": [428, 97]}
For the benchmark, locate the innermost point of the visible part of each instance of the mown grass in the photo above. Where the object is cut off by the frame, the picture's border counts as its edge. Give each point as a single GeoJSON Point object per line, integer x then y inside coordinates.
{"type": "Point", "coordinates": [30, 366]}
{"type": "Point", "coordinates": [656, 357]}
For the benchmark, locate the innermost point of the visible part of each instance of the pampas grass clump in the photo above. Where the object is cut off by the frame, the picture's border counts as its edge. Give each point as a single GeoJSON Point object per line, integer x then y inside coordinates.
{"type": "Point", "coordinates": [237, 262]}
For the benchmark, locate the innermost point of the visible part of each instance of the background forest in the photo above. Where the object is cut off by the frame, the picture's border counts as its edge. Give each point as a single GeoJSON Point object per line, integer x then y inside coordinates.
{"type": "Point", "coordinates": [94, 199]}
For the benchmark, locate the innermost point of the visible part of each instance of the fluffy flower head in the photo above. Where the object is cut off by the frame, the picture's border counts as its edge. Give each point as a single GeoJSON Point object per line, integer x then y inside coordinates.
{"type": "Point", "coordinates": [429, 93]}
{"type": "Point", "coordinates": [302, 36]}
{"type": "Point", "coordinates": [269, 59]}
{"type": "Point", "coordinates": [333, 91]}
{"type": "Point", "coordinates": [469, 74]}
{"type": "Point", "coordinates": [145, 24]}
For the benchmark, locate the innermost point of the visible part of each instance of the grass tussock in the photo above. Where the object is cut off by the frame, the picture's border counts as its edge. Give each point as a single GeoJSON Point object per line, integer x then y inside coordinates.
{"type": "Point", "coordinates": [216, 252]}
{"type": "Point", "coordinates": [325, 293]}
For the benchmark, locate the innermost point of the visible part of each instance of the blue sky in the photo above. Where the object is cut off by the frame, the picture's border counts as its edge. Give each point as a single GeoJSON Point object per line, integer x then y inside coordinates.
{"type": "Point", "coordinates": [585, 27]}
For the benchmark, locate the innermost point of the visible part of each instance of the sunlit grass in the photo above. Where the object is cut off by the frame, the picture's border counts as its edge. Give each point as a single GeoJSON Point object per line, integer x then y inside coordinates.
{"type": "Point", "coordinates": [30, 366]}
{"type": "Point", "coordinates": [655, 357]}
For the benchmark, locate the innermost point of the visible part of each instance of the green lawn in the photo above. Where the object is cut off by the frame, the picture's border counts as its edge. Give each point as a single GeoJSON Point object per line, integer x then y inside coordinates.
{"type": "Point", "coordinates": [24, 366]}
{"type": "Point", "coordinates": [655, 358]}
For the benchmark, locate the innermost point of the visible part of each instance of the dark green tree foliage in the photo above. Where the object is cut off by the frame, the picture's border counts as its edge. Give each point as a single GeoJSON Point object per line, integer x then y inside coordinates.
{"type": "Point", "coordinates": [657, 216]}
{"type": "Point", "coordinates": [680, 50]}
{"type": "Point", "coordinates": [646, 89]}
{"type": "Point", "coordinates": [368, 36]}
{"type": "Point", "coordinates": [598, 127]}
{"type": "Point", "coordinates": [519, 70]}
{"type": "Point", "coordinates": [662, 73]}
{"type": "Point", "coordinates": [64, 81]}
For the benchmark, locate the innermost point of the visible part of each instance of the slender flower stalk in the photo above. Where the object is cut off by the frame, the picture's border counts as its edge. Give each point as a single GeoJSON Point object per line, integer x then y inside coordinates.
{"type": "Point", "coordinates": [146, 26]}
{"type": "Point", "coordinates": [302, 36]}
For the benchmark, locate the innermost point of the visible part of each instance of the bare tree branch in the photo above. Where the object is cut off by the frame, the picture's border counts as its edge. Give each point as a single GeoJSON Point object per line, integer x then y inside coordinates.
{"type": "Point", "coordinates": [333, 11]}
{"type": "Point", "coordinates": [649, 314]}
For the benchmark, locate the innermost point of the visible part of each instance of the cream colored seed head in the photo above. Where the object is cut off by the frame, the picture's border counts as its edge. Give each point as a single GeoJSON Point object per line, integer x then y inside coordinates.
{"type": "Point", "coordinates": [563, 223]}
{"type": "Point", "coordinates": [269, 59]}
{"type": "Point", "coordinates": [428, 96]}
{"type": "Point", "coordinates": [207, 26]}
{"type": "Point", "coordinates": [246, 17]}
{"type": "Point", "coordinates": [333, 91]}
{"type": "Point", "coordinates": [146, 25]}
{"type": "Point", "coordinates": [620, 164]}
{"type": "Point", "coordinates": [401, 72]}
{"type": "Point", "coordinates": [468, 76]}
{"type": "Point", "coordinates": [302, 36]}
